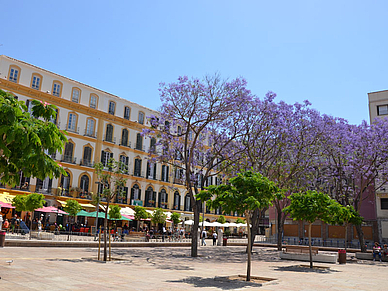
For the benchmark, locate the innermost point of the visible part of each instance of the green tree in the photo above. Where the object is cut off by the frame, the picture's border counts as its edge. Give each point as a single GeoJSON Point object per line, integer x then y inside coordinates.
{"type": "Point", "coordinates": [311, 206]}
{"type": "Point", "coordinates": [111, 184]}
{"type": "Point", "coordinates": [175, 218]}
{"type": "Point", "coordinates": [26, 140]}
{"type": "Point", "coordinates": [239, 220]}
{"type": "Point", "coordinates": [73, 208]}
{"type": "Point", "coordinates": [345, 215]}
{"type": "Point", "coordinates": [28, 203]}
{"type": "Point", "coordinates": [244, 194]}
{"type": "Point", "coordinates": [221, 219]}
{"type": "Point", "coordinates": [140, 213]}
{"type": "Point", "coordinates": [158, 217]}
{"type": "Point", "coordinates": [114, 212]}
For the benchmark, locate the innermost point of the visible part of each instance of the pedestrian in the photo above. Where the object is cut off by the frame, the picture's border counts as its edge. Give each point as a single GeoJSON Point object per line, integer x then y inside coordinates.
{"type": "Point", "coordinates": [376, 251]}
{"type": "Point", "coordinates": [203, 236]}
{"type": "Point", "coordinates": [6, 225]}
{"type": "Point", "coordinates": [214, 238]}
{"type": "Point", "coordinates": [13, 222]}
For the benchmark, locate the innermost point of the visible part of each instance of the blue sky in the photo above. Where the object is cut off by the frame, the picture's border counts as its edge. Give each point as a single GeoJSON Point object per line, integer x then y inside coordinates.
{"type": "Point", "coordinates": [330, 52]}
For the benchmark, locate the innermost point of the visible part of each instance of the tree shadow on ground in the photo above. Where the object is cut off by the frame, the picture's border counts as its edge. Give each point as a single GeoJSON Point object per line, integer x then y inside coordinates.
{"type": "Point", "coordinates": [306, 269]}
{"type": "Point", "coordinates": [223, 283]}
{"type": "Point", "coordinates": [175, 267]}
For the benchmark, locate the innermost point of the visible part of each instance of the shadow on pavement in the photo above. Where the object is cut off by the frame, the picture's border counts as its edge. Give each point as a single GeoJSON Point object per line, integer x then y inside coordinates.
{"type": "Point", "coordinates": [306, 269]}
{"type": "Point", "coordinates": [223, 283]}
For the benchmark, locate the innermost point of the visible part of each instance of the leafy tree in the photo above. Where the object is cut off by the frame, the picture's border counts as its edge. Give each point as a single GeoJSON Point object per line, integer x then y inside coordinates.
{"type": "Point", "coordinates": [345, 215]}
{"type": "Point", "coordinates": [111, 184]}
{"type": "Point", "coordinates": [140, 213]}
{"type": "Point", "coordinates": [158, 217]}
{"type": "Point", "coordinates": [27, 140]}
{"type": "Point", "coordinates": [311, 206]}
{"type": "Point", "coordinates": [245, 193]}
{"type": "Point", "coordinates": [239, 220]}
{"type": "Point", "coordinates": [221, 219]}
{"type": "Point", "coordinates": [28, 203]}
{"type": "Point", "coordinates": [73, 208]}
{"type": "Point", "coordinates": [196, 130]}
{"type": "Point", "coordinates": [114, 212]}
{"type": "Point", "coordinates": [175, 218]}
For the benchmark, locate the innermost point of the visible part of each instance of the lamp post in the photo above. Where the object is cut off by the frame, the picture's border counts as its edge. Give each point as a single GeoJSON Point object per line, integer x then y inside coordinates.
{"type": "Point", "coordinates": [97, 208]}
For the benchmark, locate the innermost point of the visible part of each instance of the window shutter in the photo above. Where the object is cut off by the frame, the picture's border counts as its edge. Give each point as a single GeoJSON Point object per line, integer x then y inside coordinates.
{"type": "Point", "coordinates": [154, 176]}
{"type": "Point", "coordinates": [163, 172]}
{"type": "Point", "coordinates": [103, 157]}
{"type": "Point", "coordinates": [148, 169]}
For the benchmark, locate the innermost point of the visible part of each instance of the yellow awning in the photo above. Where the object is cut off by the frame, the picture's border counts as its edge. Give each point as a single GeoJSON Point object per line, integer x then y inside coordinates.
{"type": "Point", "coordinates": [7, 198]}
{"type": "Point", "coordinates": [83, 205]}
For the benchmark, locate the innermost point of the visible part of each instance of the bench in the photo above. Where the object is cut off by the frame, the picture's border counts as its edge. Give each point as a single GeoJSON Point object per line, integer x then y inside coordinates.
{"type": "Point", "coordinates": [135, 236]}
{"type": "Point", "coordinates": [301, 250]}
{"type": "Point", "coordinates": [301, 253]}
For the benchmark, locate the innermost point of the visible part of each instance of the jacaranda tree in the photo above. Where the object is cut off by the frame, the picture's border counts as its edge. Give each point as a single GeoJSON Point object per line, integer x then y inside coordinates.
{"type": "Point", "coordinates": [196, 132]}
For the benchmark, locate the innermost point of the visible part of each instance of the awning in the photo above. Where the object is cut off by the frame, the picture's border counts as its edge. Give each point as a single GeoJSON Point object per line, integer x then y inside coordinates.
{"type": "Point", "coordinates": [6, 205]}
{"type": "Point", "coordinates": [127, 211]}
{"type": "Point", "coordinates": [51, 209]}
{"type": "Point", "coordinates": [84, 213]}
{"type": "Point", "coordinates": [6, 197]}
{"type": "Point", "coordinates": [83, 205]}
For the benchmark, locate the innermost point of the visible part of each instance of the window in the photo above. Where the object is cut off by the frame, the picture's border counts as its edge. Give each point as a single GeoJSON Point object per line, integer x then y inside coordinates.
{"type": "Point", "coordinates": [29, 106]}
{"type": "Point", "coordinates": [65, 183]}
{"type": "Point", "coordinates": [127, 112]}
{"type": "Point", "coordinates": [382, 110]}
{"type": "Point", "coordinates": [153, 145]}
{"type": "Point", "coordinates": [384, 203]}
{"type": "Point", "coordinates": [141, 118]}
{"type": "Point", "coordinates": [84, 184]}
{"type": "Point", "coordinates": [179, 130]}
{"type": "Point", "coordinates": [137, 170]}
{"type": "Point", "coordinates": [87, 157]}
{"type": "Point", "coordinates": [187, 203]}
{"type": "Point", "coordinates": [124, 137]}
{"type": "Point", "coordinates": [72, 124]}
{"type": "Point", "coordinates": [112, 107]}
{"type": "Point", "coordinates": [93, 101]}
{"type": "Point", "coordinates": [135, 194]}
{"type": "Point", "coordinates": [57, 89]}
{"type": "Point", "coordinates": [177, 200]}
{"type": "Point", "coordinates": [150, 197]}
{"type": "Point", "coordinates": [14, 73]}
{"type": "Point", "coordinates": [165, 173]}
{"type": "Point", "coordinates": [44, 186]}
{"type": "Point", "coordinates": [68, 154]}
{"type": "Point", "coordinates": [105, 157]}
{"type": "Point", "coordinates": [109, 133]}
{"type": "Point", "coordinates": [36, 81]}
{"type": "Point", "coordinates": [139, 142]}
{"type": "Point", "coordinates": [75, 95]}
{"type": "Point", "coordinates": [122, 194]}
{"type": "Point", "coordinates": [167, 126]}
{"type": "Point", "coordinates": [124, 163]}
{"type": "Point", "coordinates": [90, 125]}
{"type": "Point", "coordinates": [163, 199]}
{"type": "Point", "coordinates": [151, 170]}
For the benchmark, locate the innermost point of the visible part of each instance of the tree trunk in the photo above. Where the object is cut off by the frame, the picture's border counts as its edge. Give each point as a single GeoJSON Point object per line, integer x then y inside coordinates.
{"type": "Point", "coordinates": [346, 236]}
{"type": "Point", "coordinates": [310, 251]}
{"type": "Point", "coordinates": [194, 230]}
{"type": "Point", "coordinates": [361, 238]}
{"type": "Point", "coordinates": [137, 225]}
{"type": "Point", "coordinates": [105, 231]}
{"type": "Point", "coordinates": [247, 215]}
{"type": "Point", "coordinates": [280, 221]}
{"type": "Point", "coordinates": [32, 215]}
{"type": "Point", "coordinates": [255, 221]}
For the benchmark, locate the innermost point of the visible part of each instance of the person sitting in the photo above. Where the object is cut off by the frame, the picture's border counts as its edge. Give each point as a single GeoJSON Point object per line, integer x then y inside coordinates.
{"type": "Point", "coordinates": [385, 251]}
{"type": "Point", "coordinates": [376, 251]}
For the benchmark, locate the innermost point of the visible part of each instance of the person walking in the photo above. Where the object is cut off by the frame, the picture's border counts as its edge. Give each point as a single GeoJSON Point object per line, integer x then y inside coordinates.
{"type": "Point", "coordinates": [203, 236]}
{"type": "Point", "coordinates": [214, 238]}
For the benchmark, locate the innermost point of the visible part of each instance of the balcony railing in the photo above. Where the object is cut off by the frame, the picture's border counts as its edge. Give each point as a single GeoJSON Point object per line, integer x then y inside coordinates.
{"type": "Point", "coordinates": [138, 174]}
{"type": "Point", "coordinates": [44, 191]}
{"type": "Point", "coordinates": [178, 181]}
{"type": "Point", "coordinates": [128, 144]}
{"type": "Point", "coordinates": [90, 133]}
{"type": "Point", "coordinates": [74, 130]}
{"type": "Point", "coordinates": [121, 200]}
{"type": "Point", "coordinates": [86, 163]}
{"type": "Point", "coordinates": [140, 147]}
{"type": "Point", "coordinates": [68, 159]}
{"type": "Point", "coordinates": [163, 205]}
{"type": "Point", "coordinates": [109, 139]}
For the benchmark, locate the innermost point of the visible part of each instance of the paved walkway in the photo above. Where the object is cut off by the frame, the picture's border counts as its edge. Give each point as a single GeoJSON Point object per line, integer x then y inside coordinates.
{"type": "Point", "coordinates": [163, 268]}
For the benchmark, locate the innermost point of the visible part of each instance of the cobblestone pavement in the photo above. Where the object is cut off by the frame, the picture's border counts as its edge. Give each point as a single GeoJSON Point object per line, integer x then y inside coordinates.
{"type": "Point", "coordinates": [163, 268]}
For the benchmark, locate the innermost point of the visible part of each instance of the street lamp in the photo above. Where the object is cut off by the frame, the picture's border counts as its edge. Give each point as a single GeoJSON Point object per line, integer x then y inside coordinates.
{"type": "Point", "coordinates": [97, 208]}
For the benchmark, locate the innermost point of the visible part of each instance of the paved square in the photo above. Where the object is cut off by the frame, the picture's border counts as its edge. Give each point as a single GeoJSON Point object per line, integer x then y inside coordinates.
{"type": "Point", "coordinates": [164, 268]}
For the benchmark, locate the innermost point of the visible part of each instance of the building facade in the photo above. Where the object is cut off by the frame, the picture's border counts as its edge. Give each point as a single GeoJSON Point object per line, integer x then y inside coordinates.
{"type": "Point", "coordinates": [378, 108]}
{"type": "Point", "coordinates": [99, 126]}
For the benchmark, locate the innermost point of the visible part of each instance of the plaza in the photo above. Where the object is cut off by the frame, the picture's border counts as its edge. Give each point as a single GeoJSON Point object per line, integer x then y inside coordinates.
{"type": "Point", "coordinates": [164, 268]}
